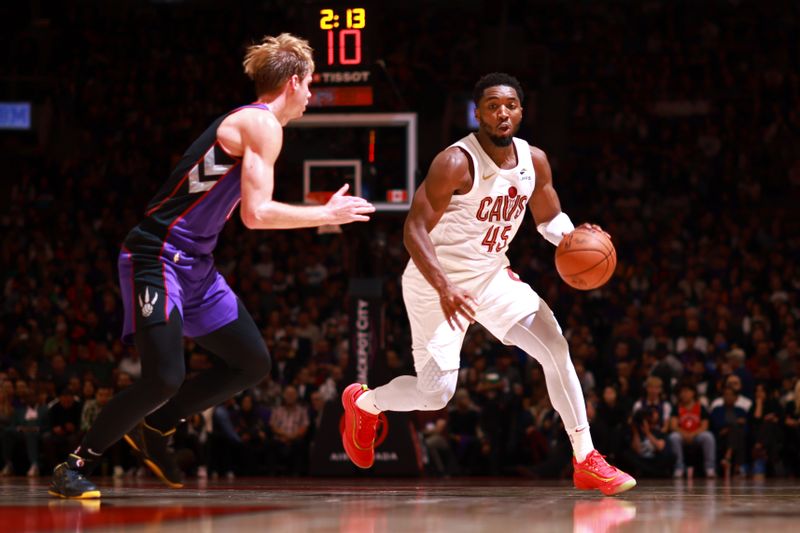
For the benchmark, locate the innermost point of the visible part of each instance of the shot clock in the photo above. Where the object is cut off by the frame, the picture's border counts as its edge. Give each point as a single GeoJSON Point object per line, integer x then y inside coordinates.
{"type": "Point", "coordinates": [344, 48]}
{"type": "Point", "coordinates": [340, 38]}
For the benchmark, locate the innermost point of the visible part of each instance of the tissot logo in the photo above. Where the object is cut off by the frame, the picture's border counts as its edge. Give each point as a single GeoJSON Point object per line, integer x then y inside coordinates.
{"type": "Point", "coordinates": [359, 76]}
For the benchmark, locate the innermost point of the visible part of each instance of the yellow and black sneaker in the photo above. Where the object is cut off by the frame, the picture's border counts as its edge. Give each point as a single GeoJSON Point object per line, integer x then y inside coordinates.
{"type": "Point", "coordinates": [152, 446]}
{"type": "Point", "coordinates": [69, 482]}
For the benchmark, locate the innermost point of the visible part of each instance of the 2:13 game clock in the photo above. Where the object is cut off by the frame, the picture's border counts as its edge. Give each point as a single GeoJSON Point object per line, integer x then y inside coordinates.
{"type": "Point", "coordinates": [343, 35]}
{"type": "Point", "coordinates": [340, 34]}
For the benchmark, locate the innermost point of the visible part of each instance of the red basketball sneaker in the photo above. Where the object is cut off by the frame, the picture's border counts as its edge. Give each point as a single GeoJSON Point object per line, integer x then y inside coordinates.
{"type": "Point", "coordinates": [595, 473]}
{"type": "Point", "coordinates": [360, 428]}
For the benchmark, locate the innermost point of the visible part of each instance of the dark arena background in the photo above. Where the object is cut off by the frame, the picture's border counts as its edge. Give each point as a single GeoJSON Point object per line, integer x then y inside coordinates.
{"type": "Point", "coordinates": [675, 125]}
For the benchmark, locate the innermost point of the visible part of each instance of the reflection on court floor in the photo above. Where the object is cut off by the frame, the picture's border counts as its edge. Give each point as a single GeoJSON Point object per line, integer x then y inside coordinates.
{"type": "Point", "coordinates": [369, 505]}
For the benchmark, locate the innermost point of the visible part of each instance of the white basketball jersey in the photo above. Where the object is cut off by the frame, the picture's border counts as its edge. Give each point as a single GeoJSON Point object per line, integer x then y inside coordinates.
{"type": "Point", "coordinates": [473, 235]}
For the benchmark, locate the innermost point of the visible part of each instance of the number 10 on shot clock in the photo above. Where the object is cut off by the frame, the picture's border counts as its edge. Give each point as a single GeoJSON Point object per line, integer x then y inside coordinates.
{"type": "Point", "coordinates": [345, 41]}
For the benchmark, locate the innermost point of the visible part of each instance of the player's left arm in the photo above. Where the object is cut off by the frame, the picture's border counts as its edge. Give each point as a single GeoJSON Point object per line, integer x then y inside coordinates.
{"type": "Point", "coordinates": [544, 204]}
{"type": "Point", "coordinates": [262, 138]}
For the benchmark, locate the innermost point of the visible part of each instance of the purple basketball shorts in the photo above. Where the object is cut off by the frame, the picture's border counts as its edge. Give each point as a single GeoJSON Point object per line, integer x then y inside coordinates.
{"type": "Point", "coordinates": [152, 286]}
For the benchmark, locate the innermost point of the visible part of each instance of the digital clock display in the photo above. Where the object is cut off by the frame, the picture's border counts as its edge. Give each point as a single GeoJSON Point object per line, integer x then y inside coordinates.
{"type": "Point", "coordinates": [341, 40]}
{"type": "Point", "coordinates": [354, 19]}
{"type": "Point", "coordinates": [343, 35]}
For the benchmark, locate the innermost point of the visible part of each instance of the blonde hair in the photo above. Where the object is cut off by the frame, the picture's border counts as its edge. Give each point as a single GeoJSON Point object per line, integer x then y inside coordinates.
{"type": "Point", "coordinates": [276, 59]}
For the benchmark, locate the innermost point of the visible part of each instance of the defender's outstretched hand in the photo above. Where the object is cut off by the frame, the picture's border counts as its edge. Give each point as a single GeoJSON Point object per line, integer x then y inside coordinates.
{"type": "Point", "coordinates": [346, 209]}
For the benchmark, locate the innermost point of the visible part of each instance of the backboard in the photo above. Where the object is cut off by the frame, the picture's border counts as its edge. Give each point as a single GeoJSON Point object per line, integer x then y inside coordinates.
{"type": "Point", "coordinates": [375, 152]}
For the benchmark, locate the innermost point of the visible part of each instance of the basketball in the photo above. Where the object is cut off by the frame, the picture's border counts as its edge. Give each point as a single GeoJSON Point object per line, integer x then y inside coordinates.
{"type": "Point", "coordinates": [586, 259]}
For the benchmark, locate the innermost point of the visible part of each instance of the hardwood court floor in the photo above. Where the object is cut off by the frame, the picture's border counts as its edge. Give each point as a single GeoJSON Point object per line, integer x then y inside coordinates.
{"type": "Point", "coordinates": [468, 505]}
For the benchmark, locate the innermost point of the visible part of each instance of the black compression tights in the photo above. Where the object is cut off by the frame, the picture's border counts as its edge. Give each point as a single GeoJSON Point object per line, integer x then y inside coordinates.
{"type": "Point", "coordinates": [161, 394]}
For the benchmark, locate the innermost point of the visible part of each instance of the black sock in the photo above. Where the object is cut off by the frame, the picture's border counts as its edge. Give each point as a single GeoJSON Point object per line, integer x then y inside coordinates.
{"type": "Point", "coordinates": [83, 459]}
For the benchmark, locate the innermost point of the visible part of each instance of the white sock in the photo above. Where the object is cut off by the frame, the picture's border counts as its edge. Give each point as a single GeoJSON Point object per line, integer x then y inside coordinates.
{"type": "Point", "coordinates": [540, 336]}
{"type": "Point", "coordinates": [581, 440]}
{"type": "Point", "coordinates": [366, 402]}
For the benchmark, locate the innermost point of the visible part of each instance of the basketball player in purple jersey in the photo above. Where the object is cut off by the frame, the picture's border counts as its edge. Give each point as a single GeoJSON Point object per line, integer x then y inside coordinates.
{"type": "Point", "coordinates": [170, 287]}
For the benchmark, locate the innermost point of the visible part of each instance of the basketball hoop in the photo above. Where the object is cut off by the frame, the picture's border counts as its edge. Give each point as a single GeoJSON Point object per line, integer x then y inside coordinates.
{"type": "Point", "coordinates": [321, 198]}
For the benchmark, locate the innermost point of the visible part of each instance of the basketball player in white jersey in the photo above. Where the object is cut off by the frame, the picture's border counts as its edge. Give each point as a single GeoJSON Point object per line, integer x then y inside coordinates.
{"type": "Point", "coordinates": [461, 222]}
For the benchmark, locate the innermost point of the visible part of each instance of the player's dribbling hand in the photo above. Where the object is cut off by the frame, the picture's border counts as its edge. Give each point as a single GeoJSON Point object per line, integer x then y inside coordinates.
{"type": "Point", "coordinates": [346, 209]}
{"type": "Point", "coordinates": [457, 301]}
{"type": "Point", "coordinates": [594, 227]}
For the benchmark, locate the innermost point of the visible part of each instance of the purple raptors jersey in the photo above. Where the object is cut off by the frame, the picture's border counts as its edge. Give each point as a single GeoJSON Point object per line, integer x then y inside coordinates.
{"type": "Point", "coordinates": [191, 208]}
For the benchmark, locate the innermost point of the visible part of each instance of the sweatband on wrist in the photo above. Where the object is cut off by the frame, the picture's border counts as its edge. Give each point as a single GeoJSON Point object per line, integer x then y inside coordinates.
{"type": "Point", "coordinates": [554, 230]}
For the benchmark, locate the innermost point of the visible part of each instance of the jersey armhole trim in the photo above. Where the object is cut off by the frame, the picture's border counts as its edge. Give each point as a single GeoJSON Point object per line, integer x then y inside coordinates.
{"type": "Point", "coordinates": [475, 168]}
{"type": "Point", "coordinates": [524, 147]}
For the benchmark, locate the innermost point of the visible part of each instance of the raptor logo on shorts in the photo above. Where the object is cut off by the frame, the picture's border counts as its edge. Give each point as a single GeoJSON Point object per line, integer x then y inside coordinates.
{"type": "Point", "coordinates": [147, 304]}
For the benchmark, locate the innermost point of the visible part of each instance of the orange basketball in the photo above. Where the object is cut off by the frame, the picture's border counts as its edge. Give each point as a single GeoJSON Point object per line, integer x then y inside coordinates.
{"type": "Point", "coordinates": [586, 259]}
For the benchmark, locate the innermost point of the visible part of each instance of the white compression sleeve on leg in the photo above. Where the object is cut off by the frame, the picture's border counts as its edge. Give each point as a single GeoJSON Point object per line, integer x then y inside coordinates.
{"type": "Point", "coordinates": [539, 335]}
{"type": "Point", "coordinates": [554, 230]}
{"type": "Point", "coordinates": [430, 391]}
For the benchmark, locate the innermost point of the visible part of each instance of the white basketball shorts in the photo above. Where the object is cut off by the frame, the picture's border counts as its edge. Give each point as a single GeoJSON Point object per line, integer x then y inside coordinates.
{"type": "Point", "coordinates": [502, 300]}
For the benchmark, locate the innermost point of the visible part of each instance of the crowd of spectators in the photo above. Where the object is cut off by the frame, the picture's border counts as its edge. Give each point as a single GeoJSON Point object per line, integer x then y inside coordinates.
{"type": "Point", "coordinates": [681, 130]}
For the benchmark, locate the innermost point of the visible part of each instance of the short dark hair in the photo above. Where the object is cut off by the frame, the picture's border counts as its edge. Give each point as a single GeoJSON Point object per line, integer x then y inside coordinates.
{"type": "Point", "coordinates": [494, 79]}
